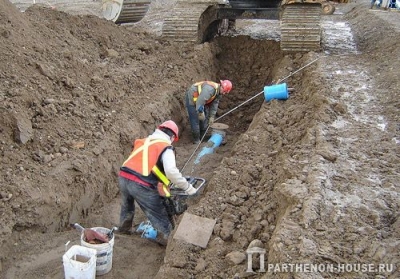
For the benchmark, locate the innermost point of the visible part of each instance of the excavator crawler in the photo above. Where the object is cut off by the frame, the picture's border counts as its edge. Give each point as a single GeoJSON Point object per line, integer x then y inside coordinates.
{"type": "Point", "coordinates": [125, 11]}
{"type": "Point", "coordinates": [198, 21]}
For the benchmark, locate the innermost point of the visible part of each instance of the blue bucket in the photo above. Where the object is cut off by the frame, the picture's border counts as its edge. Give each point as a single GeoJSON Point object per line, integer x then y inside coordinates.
{"type": "Point", "coordinates": [278, 91]}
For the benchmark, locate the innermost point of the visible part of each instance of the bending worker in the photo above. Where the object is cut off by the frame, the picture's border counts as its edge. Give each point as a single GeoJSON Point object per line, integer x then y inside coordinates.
{"type": "Point", "coordinates": [202, 100]}
{"type": "Point", "coordinates": [151, 161]}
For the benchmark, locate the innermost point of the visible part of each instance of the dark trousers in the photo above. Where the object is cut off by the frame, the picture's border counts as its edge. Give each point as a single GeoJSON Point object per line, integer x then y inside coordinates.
{"type": "Point", "coordinates": [149, 201]}
{"type": "Point", "coordinates": [198, 127]}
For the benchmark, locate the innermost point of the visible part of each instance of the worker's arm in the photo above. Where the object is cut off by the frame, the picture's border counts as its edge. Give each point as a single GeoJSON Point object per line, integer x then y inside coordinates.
{"type": "Point", "coordinates": [171, 171]}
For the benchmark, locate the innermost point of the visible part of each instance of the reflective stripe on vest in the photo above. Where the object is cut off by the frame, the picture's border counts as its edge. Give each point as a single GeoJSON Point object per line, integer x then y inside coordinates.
{"type": "Point", "coordinates": [165, 182]}
{"type": "Point", "coordinates": [160, 175]}
{"type": "Point", "coordinates": [145, 159]}
{"type": "Point", "coordinates": [198, 92]}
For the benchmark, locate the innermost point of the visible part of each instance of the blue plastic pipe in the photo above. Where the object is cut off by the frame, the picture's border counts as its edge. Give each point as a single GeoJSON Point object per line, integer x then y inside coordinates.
{"type": "Point", "coordinates": [214, 141]}
{"type": "Point", "coordinates": [277, 91]}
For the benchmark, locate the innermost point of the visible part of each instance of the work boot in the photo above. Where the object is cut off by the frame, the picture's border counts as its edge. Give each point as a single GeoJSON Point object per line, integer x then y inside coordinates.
{"type": "Point", "coordinates": [196, 138]}
{"type": "Point", "coordinates": [125, 227]}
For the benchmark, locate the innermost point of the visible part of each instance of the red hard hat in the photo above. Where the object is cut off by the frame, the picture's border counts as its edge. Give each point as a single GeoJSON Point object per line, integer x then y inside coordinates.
{"type": "Point", "coordinates": [172, 126]}
{"type": "Point", "coordinates": [226, 85]}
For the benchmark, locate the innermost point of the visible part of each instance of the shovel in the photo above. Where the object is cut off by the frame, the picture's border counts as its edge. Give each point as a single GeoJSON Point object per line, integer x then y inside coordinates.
{"type": "Point", "coordinates": [90, 235]}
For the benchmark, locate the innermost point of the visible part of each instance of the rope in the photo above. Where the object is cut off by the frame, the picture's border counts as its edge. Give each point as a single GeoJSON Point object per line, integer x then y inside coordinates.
{"type": "Point", "coordinates": [194, 151]}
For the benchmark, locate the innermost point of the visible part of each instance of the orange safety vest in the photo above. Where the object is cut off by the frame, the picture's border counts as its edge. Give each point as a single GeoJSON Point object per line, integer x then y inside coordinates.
{"type": "Point", "coordinates": [198, 92]}
{"type": "Point", "coordinates": [143, 159]}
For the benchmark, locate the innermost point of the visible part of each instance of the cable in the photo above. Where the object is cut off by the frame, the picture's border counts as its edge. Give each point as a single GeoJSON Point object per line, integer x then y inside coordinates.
{"type": "Point", "coordinates": [197, 147]}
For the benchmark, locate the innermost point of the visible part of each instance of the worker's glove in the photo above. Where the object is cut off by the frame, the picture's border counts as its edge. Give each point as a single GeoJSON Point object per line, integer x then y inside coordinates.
{"type": "Point", "coordinates": [201, 109]}
{"type": "Point", "coordinates": [202, 116]}
{"type": "Point", "coordinates": [190, 190]}
{"type": "Point", "coordinates": [211, 121]}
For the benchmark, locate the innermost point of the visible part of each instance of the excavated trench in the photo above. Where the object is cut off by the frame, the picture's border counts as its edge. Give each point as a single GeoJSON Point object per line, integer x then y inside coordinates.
{"type": "Point", "coordinates": [249, 72]}
{"type": "Point", "coordinates": [264, 140]}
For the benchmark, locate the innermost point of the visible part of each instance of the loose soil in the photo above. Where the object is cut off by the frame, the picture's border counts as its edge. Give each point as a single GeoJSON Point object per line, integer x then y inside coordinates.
{"type": "Point", "coordinates": [311, 179]}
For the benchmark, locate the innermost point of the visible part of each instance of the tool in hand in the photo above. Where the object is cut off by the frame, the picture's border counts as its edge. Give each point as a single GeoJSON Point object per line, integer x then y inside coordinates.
{"type": "Point", "coordinates": [176, 204]}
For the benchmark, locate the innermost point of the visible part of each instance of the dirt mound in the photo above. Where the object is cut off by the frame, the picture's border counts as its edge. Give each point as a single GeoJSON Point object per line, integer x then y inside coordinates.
{"type": "Point", "coordinates": [312, 179]}
{"type": "Point", "coordinates": [67, 83]}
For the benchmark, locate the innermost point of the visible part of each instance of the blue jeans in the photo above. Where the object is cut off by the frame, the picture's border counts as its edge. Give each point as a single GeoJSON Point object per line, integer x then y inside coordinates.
{"type": "Point", "coordinates": [149, 201]}
{"type": "Point", "coordinates": [198, 127]}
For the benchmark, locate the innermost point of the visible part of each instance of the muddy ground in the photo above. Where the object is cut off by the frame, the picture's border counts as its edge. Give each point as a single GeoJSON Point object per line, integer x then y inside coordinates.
{"type": "Point", "coordinates": [313, 178]}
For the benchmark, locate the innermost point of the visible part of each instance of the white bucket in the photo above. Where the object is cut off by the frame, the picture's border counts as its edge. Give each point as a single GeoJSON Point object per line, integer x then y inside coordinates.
{"type": "Point", "coordinates": [104, 251]}
{"type": "Point", "coordinates": [80, 263]}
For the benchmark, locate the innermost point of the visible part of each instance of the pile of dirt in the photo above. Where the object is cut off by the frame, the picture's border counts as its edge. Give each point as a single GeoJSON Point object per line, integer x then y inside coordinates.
{"type": "Point", "coordinates": [75, 92]}
{"type": "Point", "coordinates": [311, 180]}
{"type": "Point", "coordinates": [73, 89]}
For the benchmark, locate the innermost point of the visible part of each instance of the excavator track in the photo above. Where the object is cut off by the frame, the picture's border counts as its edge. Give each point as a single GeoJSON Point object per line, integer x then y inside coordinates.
{"type": "Point", "coordinates": [125, 11]}
{"type": "Point", "coordinates": [182, 24]}
{"type": "Point", "coordinates": [197, 21]}
{"type": "Point", "coordinates": [301, 27]}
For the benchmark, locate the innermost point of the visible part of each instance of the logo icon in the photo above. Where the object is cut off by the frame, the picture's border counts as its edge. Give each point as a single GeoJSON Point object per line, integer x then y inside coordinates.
{"type": "Point", "coordinates": [250, 252]}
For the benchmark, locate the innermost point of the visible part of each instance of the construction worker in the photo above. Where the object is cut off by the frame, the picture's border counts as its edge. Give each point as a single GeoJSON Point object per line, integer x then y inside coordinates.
{"type": "Point", "coordinates": [202, 100]}
{"type": "Point", "coordinates": [151, 164]}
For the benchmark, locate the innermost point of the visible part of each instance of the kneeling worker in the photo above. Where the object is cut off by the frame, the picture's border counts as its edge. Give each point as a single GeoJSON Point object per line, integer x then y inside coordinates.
{"type": "Point", "coordinates": [151, 161]}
